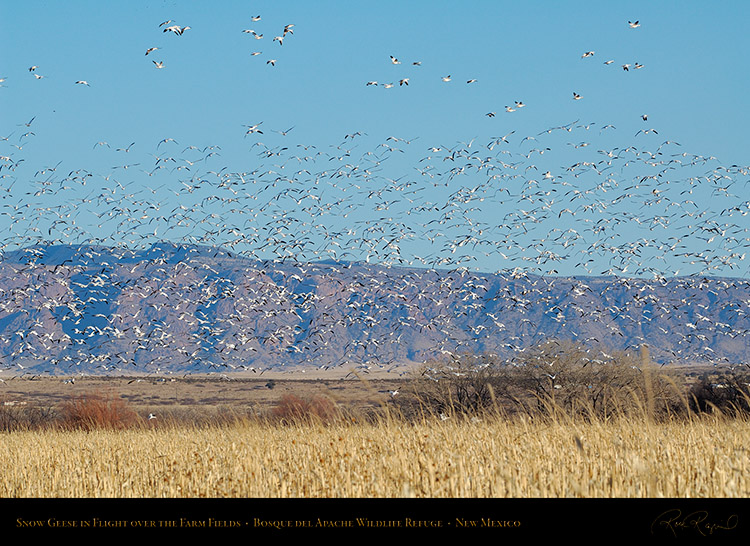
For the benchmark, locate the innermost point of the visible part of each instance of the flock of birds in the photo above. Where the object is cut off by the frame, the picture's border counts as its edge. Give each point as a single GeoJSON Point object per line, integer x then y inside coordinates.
{"type": "Point", "coordinates": [646, 210]}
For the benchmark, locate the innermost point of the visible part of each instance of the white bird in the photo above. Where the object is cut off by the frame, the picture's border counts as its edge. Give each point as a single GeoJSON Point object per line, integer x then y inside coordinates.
{"type": "Point", "coordinates": [471, 81]}
{"type": "Point", "coordinates": [405, 81]}
{"type": "Point", "coordinates": [576, 96]}
{"type": "Point", "coordinates": [446, 78]}
{"type": "Point", "coordinates": [272, 62]}
{"type": "Point", "coordinates": [587, 54]}
{"type": "Point", "coordinates": [151, 416]}
{"type": "Point", "coordinates": [394, 60]}
{"type": "Point", "coordinates": [176, 29]}
{"type": "Point", "coordinates": [150, 49]}
{"type": "Point", "coordinates": [634, 24]}
{"type": "Point", "coordinates": [256, 18]}
{"type": "Point", "coordinates": [159, 64]}
{"type": "Point", "coordinates": [82, 82]}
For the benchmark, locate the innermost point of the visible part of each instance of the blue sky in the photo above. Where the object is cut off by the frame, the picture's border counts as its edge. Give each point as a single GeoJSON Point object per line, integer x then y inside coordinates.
{"type": "Point", "coordinates": [355, 175]}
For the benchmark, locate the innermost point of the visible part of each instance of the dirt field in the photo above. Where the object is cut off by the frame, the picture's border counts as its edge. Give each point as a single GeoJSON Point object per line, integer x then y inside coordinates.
{"type": "Point", "coordinates": [205, 394]}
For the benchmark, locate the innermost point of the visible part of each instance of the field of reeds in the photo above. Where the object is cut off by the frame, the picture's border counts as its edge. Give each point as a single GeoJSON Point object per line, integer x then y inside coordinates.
{"type": "Point", "coordinates": [451, 458]}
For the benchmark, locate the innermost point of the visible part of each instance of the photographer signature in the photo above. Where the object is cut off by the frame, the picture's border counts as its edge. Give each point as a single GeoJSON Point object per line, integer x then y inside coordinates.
{"type": "Point", "coordinates": [697, 521]}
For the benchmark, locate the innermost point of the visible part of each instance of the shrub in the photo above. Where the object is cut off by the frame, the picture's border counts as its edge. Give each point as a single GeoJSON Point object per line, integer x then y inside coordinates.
{"type": "Point", "coordinates": [465, 385]}
{"type": "Point", "coordinates": [25, 417]}
{"type": "Point", "coordinates": [291, 408]}
{"type": "Point", "coordinates": [551, 377]}
{"type": "Point", "coordinates": [97, 410]}
{"type": "Point", "coordinates": [571, 377]}
{"type": "Point", "coordinates": [727, 392]}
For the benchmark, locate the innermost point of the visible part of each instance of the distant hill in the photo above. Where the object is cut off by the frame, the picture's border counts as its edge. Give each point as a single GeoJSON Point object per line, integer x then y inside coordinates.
{"type": "Point", "coordinates": [182, 309]}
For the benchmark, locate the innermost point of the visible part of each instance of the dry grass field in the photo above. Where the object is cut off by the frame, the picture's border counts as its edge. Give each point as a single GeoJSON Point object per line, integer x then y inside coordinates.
{"type": "Point", "coordinates": [435, 458]}
{"type": "Point", "coordinates": [556, 456]}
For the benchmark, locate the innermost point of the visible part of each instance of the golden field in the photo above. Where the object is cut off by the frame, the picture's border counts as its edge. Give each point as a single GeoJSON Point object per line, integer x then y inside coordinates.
{"type": "Point", "coordinates": [496, 457]}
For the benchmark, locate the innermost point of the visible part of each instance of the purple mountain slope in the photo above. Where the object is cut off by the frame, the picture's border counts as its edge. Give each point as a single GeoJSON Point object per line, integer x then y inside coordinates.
{"type": "Point", "coordinates": [182, 309]}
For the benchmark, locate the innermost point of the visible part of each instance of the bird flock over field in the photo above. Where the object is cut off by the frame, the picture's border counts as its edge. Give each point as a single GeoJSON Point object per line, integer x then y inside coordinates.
{"type": "Point", "coordinates": [259, 262]}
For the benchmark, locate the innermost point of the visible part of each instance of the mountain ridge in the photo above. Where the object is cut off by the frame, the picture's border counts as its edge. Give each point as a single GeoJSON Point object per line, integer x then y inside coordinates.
{"type": "Point", "coordinates": [175, 308]}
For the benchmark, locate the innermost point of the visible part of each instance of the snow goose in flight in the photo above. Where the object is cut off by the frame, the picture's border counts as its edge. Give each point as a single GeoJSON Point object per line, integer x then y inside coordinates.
{"type": "Point", "coordinates": [176, 29]}
{"type": "Point", "coordinates": [253, 129]}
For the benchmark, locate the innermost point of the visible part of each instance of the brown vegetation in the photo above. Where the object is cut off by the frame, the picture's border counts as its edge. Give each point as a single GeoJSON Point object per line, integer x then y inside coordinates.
{"type": "Point", "coordinates": [97, 411]}
{"type": "Point", "coordinates": [293, 408]}
{"type": "Point", "coordinates": [552, 377]}
{"type": "Point", "coordinates": [725, 392]}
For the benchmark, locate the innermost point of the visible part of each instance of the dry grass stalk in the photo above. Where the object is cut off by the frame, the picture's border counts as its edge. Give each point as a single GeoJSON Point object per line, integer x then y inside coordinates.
{"type": "Point", "coordinates": [560, 456]}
